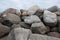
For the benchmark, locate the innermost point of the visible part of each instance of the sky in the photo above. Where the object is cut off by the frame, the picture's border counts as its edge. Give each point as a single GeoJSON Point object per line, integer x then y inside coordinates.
{"type": "Point", "coordinates": [25, 4]}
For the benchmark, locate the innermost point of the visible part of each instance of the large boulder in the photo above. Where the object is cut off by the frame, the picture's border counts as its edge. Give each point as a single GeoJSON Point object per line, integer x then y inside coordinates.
{"type": "Point", "coordinates": [13, 11]}
{"type": "Point", "coordinates": [50, 18]}
{"type": "Point", "coordinates": [19, 34]}
{"type": "Point", "coordinates": [11, 17]}
{"type": "Point", "coordinates": [33, 9]}
{"type": "Point", "coordinates": [54, 34]}
{"type": "Point", "coordinates": [42, 37]}
{"type": "Point", "coordinates": [32, 19]}
{"type": "Point", "coordinates": [53, 9]}
{"type": "Point", "coordinates": [39, 28]}
{"type": "Point", "coordinates": [4, 30]}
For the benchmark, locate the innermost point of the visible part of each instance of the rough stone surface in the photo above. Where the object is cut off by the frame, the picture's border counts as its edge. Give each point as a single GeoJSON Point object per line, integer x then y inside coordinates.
{"type": "Point", "coordinates": [13, 11]}
{"type": "Point", "coordinates": [4, 38]}
{"type": "Point", "coordinates": [53, 9]}
{"type": "Point", "coordinates": [42, 37]}
{"type": "Point", "coordinates": [39, 28]}
{"type": "Point", "coordinates": [12, 18]}
{"type": "Point", "coordinates": [4, 30]}
{"type": "Point", "coordinates": [32, 19]}
{"type": "Point", "coordinates": [50, 18]}
{"type": "Point", "coordinates": [54, 34]}
{"type": "Point", "coordinates": [32, 10]}
{"type": "Point", "coordinates": [24, 25]}
{"type": "Point", "coordinates": [19, 34]}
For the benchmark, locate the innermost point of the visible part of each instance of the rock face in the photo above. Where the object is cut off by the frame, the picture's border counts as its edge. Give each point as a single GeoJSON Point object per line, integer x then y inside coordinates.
{"type": "Point", "coordinates": [39, 28]}
{"type": "Point", "coordinates": [50, 18]}
{"type": "Point", "coordinates": [54, 34]}
{"type": "Point", "coordinates": [4, 30]}
{"type": "Point", "coordinates": [12, 18]}
{"type": "Point", "coordinates": [42, 37]}
{"type": "Point", "coordinates": [32, 19]}
{"type": "Point", "coordinates": [19, 34]}
{"type": "Point", "coordinates": [53, 9]}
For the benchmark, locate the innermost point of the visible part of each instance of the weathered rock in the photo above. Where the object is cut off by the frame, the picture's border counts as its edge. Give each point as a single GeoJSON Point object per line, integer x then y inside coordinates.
{"type": "Point", "coordinates": [58, 18]}
{"type": "Point", "coordinates": [19, 34]}
{"type": "Point", "coordinates": [54, 29]}
{"type": "Point", "coordinates": [4, 38]}
{"type": "Point", "coordinates": [32, 10]}
{"type": "Point", "coordinates": [54, 34]}
{"type": "Point", "coordinates": [57, 13]}
{"type": "Point", "coordinates": [32, 19]}
{"type": "Point", "coordinates": [24, 25]}
{"type": "Point", "coordinates": [39, 28]}
{"type": "Point", "coordinates": [16, 26]}
{"type": "Point", "coordinates": [4, 30]}
{"type": "Point", "coordinates": [13, 11]}
{"type": "Point", "coordinates": [50, 18]}
{"type": "Point", "coordinates": [42, 37]}
{"type": "Point", "coordinates": [53, 9]}
{"type": "Point", "coordinates": [12, 18]}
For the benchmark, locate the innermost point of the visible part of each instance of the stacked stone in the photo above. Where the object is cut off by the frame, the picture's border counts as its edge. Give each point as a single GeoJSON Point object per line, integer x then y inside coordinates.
{"type": "Point", "coordinates": [32, 24]}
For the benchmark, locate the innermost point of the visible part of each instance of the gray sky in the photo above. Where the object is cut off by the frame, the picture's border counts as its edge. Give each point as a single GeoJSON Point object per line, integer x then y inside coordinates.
{"type": "Point", "coordinates": [25, 4]}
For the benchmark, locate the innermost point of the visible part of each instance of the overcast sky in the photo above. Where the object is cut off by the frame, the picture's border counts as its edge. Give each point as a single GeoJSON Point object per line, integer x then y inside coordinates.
{"type": "Point", "coordinates": [25, 4]}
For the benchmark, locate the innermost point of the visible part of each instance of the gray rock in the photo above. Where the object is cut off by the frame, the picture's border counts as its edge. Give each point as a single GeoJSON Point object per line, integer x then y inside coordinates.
{"type": "Point", "coordinates": [33, 9]}
{"type": "Point", "coordinates": [4, 38]}
{"type": "Point", "coordinates": [19, 34]}
{"type": "Point", "coordinates": [39, 28]}
{"type": "Point", "coordinates": [54, 29]}
{"type": "Point", "coordinates": [54, 34]}
{"type": "Point", "coordinates": [4, 30]}
{"type": "Point", "coordinates": [42, 37]}
{"type": "Point", "coordinates": [50, 18]}
{"type": "Point", "coordinates": [12, 11]}
{"type": "Point", "coordinates": [32, 19]}
{"type": "Point", "coordinates": [15, 26]}
{"type": "Point", "coordinates": [12, 18]}
{"type": "Point", "coordinates": [57, 13]}
{"type": "Point", "coordinates": [24, 25]}
{"type": "Point", "coordinates": [53, 9]}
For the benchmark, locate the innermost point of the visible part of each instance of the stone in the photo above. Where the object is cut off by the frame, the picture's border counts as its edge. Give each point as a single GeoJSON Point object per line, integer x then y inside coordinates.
{"type": "Point", "coordinates": [32, 10]}
{"type": "Point", "coordinates": [49, 18]}
{"type": "Point", "coordinates": [39, 28]}
{"type": "Point", "coordinates": [24, 12]}
{"type": "Point", "coordinates": [42, 37]}
{"type": "Point", "coordinates": [53, 9]}
{"type": "Point", "coordinates": [57, 13]}
{"type": "Point", "coordinates": [32, 19]}
{"type": "Point", "coordinates": [4, 38]}
{"type": "Point", "coordinates": [12, 18]}
{"type": "Point", "coordinates": [16, 26]}
{"type": "Point", "coordinates": [4, 30]}
{"type": "Point", "coordinates": [19, 34]}
{"type": "Point", "coordinates": [24, 25]}
{"type": "Point", "coordinates": [54, 29]}
{"type": "Point", "coordinates": [13, 11]}
{"type": "Point", "coordinates": [54, 34]}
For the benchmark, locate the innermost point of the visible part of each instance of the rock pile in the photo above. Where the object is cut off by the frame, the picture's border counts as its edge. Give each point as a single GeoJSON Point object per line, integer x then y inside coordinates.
{"type": "Point", "coordinates": [32, 24]}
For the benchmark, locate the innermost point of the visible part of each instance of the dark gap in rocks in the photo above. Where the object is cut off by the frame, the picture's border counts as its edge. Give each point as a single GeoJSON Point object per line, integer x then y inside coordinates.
{"type": "Point", "coordinates": [7, 23]}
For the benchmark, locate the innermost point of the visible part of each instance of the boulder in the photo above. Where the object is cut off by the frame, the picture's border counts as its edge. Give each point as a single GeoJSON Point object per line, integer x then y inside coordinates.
{"type": "Point", "coordinates": [32, 19]}
{"type": "Point", "coordinates": [49, 18]}
{"type": "Point", "coordinates": [19, 34]}
{"type": "Point", "coordinates": [54, 34]}
{"type": "Point", "coordinates": [4, 30]}
{"type": "Point", "coordinates": [13, 11]}
{"type": "Point", "coordinates": [39, 28]}
{"type": "Point", "coordinates": [32, 10]}
{"type": "Point", "coordinates": [53, 9]}
{"type": "Point", "coordinates": [42, 37]}
{"type": "Point", "coordinates": [24, 25]}
{"type": "Point", "coordinates": [11, 17]}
